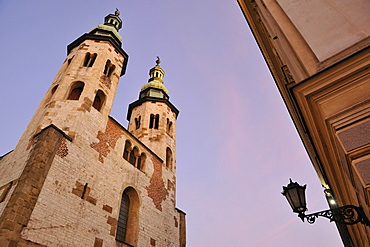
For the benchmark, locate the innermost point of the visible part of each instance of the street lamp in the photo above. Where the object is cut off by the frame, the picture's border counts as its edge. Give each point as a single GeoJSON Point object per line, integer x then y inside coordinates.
{"type": "Point", "coordinates": [348, 215]}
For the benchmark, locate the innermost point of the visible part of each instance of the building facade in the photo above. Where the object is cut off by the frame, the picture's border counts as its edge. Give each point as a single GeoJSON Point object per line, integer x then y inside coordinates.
{"type": "Point", "coordinates": [318, 53]}
{"type": "Point", "coordinates": [79, 178]}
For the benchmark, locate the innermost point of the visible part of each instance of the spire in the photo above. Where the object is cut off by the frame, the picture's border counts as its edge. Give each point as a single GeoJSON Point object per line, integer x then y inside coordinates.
{"type": "Point", "coordinates": [105, 32]}
{"type": "Point", "coordinates": [113, 20]}
{"type": "Point", "coordinates": [154, 91]}
{"type": "Point", "coordinates": [155, 86]}
{"type": "Point", "coordinates": [112, 24]}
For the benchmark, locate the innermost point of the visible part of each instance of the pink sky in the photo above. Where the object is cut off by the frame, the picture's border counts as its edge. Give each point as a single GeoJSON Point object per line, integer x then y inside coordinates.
{"type": "Point", "coordinates": [236, 144]}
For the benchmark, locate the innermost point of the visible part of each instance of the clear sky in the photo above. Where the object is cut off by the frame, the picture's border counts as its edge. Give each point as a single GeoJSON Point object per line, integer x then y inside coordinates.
{"type": "Point", "coordinates": [236, 143]}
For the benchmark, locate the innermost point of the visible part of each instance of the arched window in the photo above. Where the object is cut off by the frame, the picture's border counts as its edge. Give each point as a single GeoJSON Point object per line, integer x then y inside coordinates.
{"type": "Point", "coordinates": [137, 122]}
{"type": "Point", "coordinates": [123, 218]}
{"type": "Point", "coordinates": [76, 90]}
{"type": "Point", "coordinates": [109, 68]}
{"type": "Point", "coordinates": [127, 226]}
{"type": "Point", "coordinates": [50, 95]}
{"type": "Point", "coordinates": [89, 59]}
{"type": "Point", "coordinates": [133, 155]}
{"type": "Point", "coordinates": [169, 127]}
{"type": "Point", "coordinates": [151, 122]}
{"type": "Point", "coordinates": [156, 124]}
{"type": "Point", "coordinates": [70, 60]}
{"type": "Point", "coordinates": [169, 158]}
{"type": "Point", "coordinates": [99, 100]}
{"type": "Point", "coordinates": [54, 89]}
{"type": "Point", "coordinates": [141, 162]}
{"type": "Point", "coordinates": [127, 150]}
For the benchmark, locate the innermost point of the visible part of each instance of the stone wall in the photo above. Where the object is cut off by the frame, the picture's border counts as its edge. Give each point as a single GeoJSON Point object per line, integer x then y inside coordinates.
{"type": "Point", "coordinates": [79, 202]}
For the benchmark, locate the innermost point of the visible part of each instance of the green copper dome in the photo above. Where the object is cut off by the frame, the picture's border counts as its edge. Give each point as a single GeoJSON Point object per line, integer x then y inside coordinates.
{"type": "Point", "coordinates": [112, 24]}
{"type": "Point", "coordinates": [155, 86]}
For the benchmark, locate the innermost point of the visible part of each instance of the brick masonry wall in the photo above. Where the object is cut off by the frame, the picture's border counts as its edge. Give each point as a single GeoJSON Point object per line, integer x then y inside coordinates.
{"type": "Point", "coordinates": [65, 217]}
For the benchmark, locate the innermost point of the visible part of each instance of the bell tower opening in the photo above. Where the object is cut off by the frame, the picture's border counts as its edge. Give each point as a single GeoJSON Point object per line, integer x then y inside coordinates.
{"type": "Point", "coordinates": [76, 90]}
{"type": "Point", "coordinates": [99, 100]}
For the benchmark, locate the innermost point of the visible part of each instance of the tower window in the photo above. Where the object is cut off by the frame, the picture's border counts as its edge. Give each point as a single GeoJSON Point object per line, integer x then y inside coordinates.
{"type": "Point", "coordinates": [54, 89]}
{"type": "Point", "coordinates": [70, 60]}
{"type": "Point", "coordinates": [137, 122]}
{"type": "Point", "coordinates": [109, 68]}
{"type": "Point", "coordinates": [99, 100]}
{"type": "Point", "coordinates": [151, 122]}
{"type": "Point", "coordinates": [169, 158]}
{"type": "Point", "coordinates": [90, 59]}
{"type": "Point", "coordinates": [169, 127]}
{"type": "Point", "coordinates": [76, 91]}
{"type": "Point", "coordinates": [154, 121]}
{"type": "Point", "coordinates": [50, 95]}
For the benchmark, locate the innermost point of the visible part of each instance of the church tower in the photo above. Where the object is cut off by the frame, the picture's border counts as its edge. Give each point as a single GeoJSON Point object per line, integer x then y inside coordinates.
{"type": "Point", "coordinates": [77, 177]}
{"type": "Point", "coordinates": [152, 118]}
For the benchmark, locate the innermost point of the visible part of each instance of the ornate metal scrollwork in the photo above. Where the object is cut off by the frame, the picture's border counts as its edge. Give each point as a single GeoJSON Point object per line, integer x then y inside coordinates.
{"type": "Point", "coordinates": [348, 215]}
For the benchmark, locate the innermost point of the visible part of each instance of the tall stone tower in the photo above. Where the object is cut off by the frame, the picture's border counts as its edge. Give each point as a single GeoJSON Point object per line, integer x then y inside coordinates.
{"type": "Point", "coordinates": [77, 177]}
{"type": "Point", "coordinates": [158, 117]}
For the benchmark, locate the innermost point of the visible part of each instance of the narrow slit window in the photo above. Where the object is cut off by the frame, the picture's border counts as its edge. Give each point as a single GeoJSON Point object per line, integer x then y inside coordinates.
{"type": "Point", "coordinates": [137, 122]}
{"type": "Point", "coordinates": [169, 126]}
{"type": "Point", "coordinates": [169, 158]}
{"type": "Point", "coordinates": [109, 68]}
{"type": "Point", "coordinates": [90, 59]}
{"type": "Point", "coordinates": [107, 64]}
{"type": "Point", "coordinates": [156, 123]}
{"type": "Point", "coordinates": [70, 60]}
{"type": "Point", "coordinates": [151, 122]}
{"type": "Point", "coordinates": [87, 59]}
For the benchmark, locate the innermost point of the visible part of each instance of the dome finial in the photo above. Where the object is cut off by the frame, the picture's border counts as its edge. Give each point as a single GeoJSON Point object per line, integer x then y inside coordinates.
{"type": "Point", "coordinates": [158, 61]}
{"type": "Point", "coordinates": [117, 12]}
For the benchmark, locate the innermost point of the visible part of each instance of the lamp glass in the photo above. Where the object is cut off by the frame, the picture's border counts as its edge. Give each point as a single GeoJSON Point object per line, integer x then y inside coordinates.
{"type": "Point", "coordinates": [295, 194]}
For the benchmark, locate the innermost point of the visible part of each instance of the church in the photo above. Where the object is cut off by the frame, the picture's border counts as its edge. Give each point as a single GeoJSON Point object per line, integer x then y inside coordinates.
{"type": "Point", "coordinates": [77, 177]}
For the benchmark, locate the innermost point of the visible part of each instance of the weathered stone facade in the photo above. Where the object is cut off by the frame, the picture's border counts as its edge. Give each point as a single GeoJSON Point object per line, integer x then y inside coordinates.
{"type": "Point", "coordinates": [63, 183]}
{"type": "Point", "coordinates": [318, 53]}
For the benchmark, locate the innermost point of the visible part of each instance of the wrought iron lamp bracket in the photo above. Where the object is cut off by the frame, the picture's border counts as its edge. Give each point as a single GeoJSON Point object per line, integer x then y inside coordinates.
{"type": "Point", "coordinates": [348, 215]}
